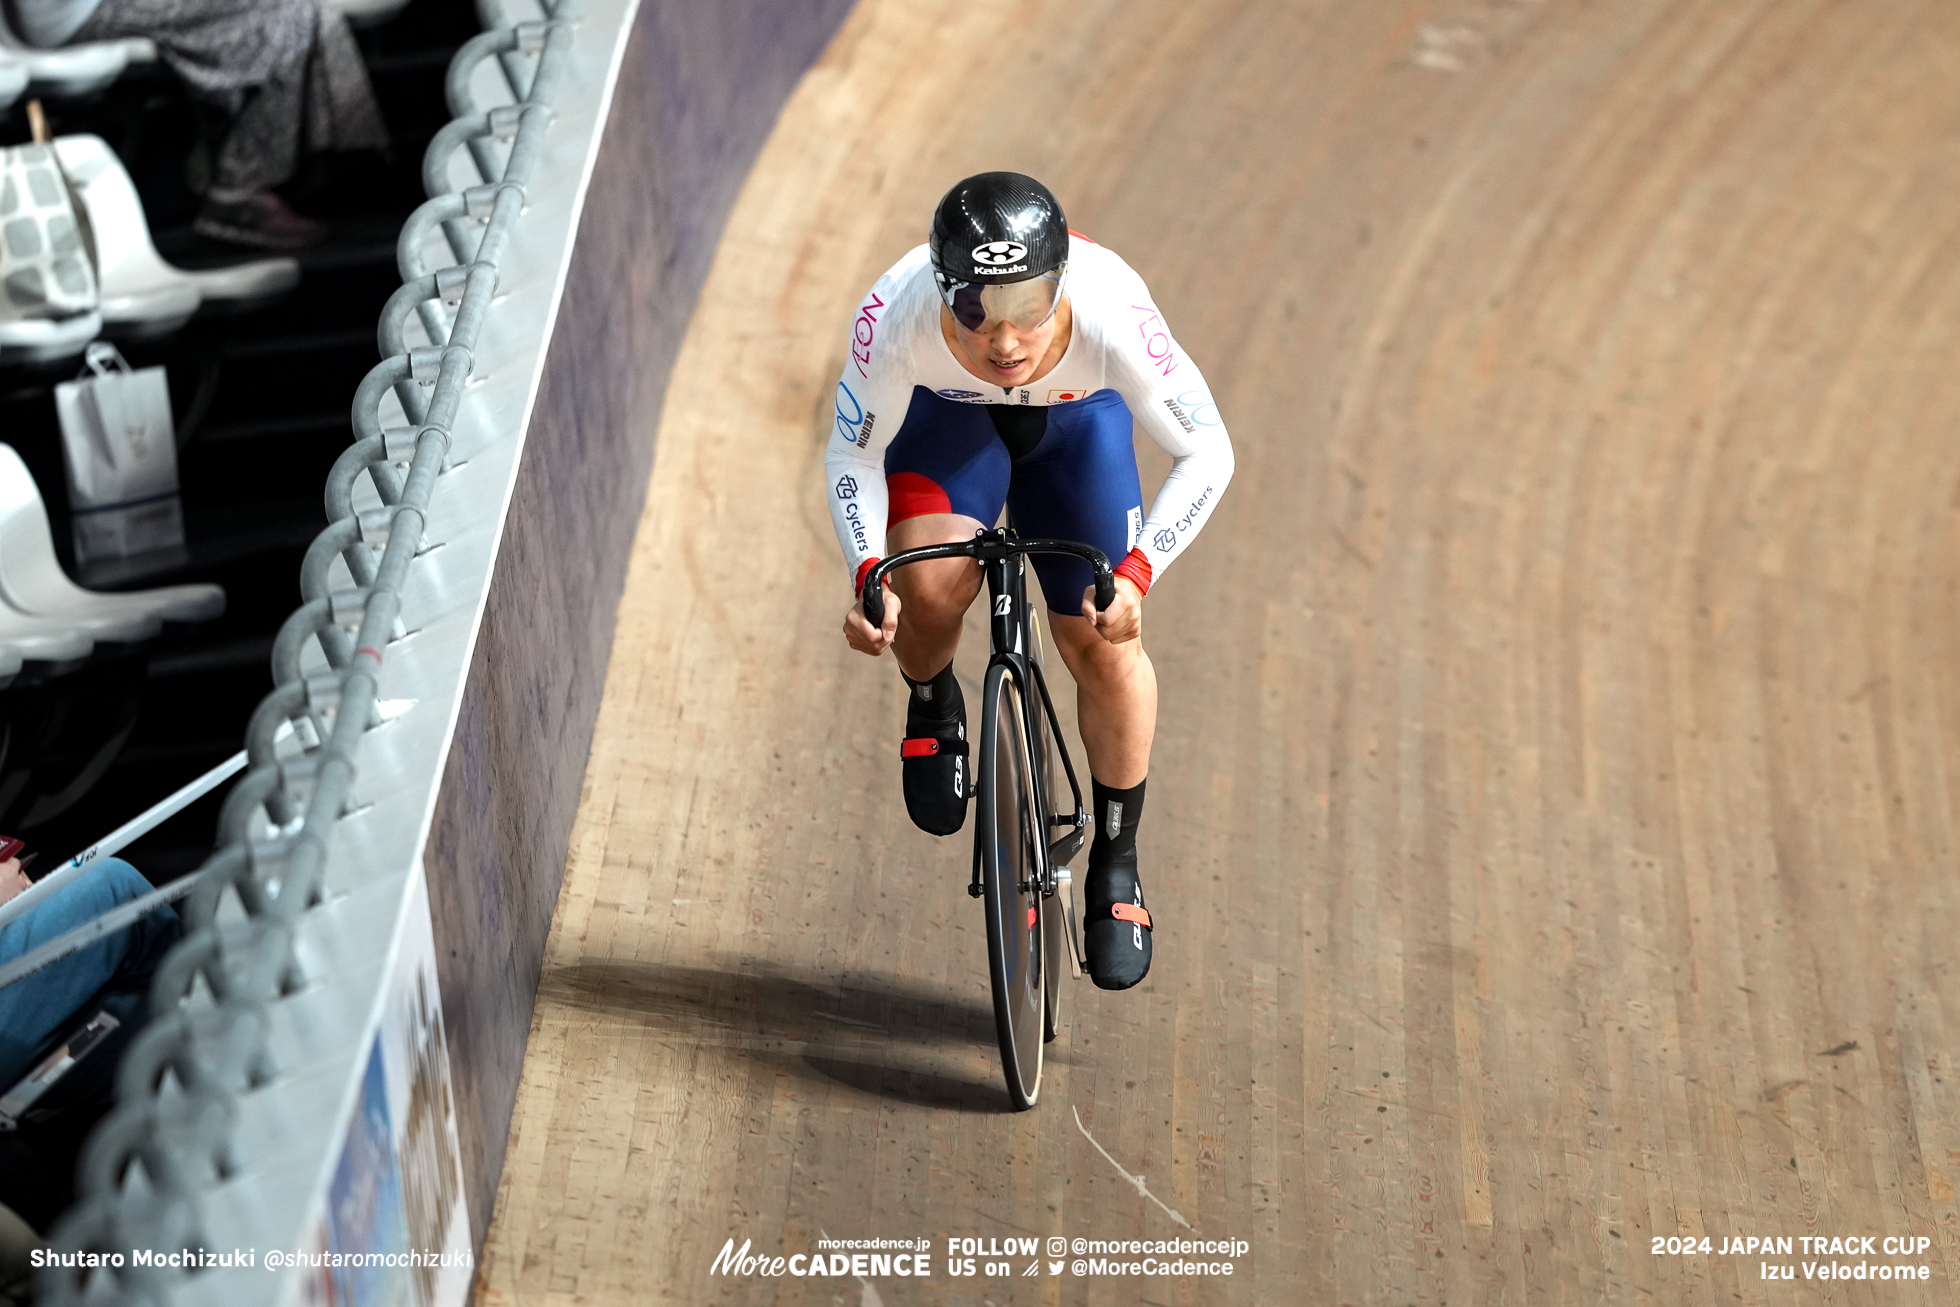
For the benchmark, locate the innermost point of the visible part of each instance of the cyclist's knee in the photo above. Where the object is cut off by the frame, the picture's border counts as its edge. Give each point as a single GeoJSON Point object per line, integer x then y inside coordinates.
{"type": "Point", "coordinates": [937, 593]}
{"type": "Point", "coordinates": [1088, 655]}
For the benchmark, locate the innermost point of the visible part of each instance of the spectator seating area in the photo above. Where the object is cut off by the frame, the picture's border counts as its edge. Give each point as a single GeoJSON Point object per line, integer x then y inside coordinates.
{"type": "Point", "coordinates": [260, 369]}
{"type": "Point", "coordinates": [91, 66]}
{"type": "Point", "coordinates": [48, 618]}
{"type": "Point", "coordinates": [124, 681]}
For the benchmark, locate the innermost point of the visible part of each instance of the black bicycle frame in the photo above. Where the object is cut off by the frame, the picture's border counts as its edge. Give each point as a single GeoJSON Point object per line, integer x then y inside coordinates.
{"type": "Point", "coordinates": [1000, 553]}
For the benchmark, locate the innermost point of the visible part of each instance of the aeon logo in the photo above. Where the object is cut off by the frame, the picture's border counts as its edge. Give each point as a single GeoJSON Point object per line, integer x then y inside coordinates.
{"type": "Point", "coordinates": [998, 254]}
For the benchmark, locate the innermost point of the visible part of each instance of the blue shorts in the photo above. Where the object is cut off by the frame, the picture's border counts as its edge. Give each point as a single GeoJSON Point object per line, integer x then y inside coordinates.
{"type": "Point", "coordinates": [1078, 482]}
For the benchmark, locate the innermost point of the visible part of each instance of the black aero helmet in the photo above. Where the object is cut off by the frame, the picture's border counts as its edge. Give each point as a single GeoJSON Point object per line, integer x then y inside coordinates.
{"type": "Point", "coordinates": [994, 230]}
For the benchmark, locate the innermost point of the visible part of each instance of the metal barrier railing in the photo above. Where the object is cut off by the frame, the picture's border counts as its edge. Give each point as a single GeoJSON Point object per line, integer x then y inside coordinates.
{"type": "Point", "coordinates": [170, 1135]}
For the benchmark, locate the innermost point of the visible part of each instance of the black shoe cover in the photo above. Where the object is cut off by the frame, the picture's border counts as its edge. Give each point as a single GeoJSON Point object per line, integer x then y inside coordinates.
{"type": "Point", "coordinates": [1116, 926]}
{"type": "Point", "coordinates": [935, 779]}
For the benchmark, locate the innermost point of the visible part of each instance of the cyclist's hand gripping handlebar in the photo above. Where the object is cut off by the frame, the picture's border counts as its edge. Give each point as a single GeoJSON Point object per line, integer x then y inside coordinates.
{"type": "Point", "coordinates": [985, 547]}
{"type": "Point", "coordinates": [874, 597]}
{"type": "Point", "coordinates": [1105, 584]}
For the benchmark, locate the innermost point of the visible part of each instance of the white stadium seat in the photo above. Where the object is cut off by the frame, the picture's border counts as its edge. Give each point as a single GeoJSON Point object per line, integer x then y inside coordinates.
{"type": "Point", "coordinates": [70, 70]}
{"type": "Point", "coordinates": [142, 294]}
{"type": "Point", "coordinates": [13, 82]}
{"type": "Point", "coordinates": [32, 582]}
{"type": "Point", "coordinates": [38, 340]}
{"type": "Point", "coordinates": [41, 640]}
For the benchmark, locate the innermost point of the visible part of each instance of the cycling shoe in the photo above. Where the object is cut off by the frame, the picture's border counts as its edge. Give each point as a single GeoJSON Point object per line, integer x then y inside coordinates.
{"type": "Point", "coordinates": [1116, 925]}
{"type": "Point", "coordinates": [934, 762]}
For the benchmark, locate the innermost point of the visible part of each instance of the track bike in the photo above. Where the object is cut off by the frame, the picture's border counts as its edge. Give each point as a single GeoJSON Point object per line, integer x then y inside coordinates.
{"type": "Point", "coordinates": [1021, 845]}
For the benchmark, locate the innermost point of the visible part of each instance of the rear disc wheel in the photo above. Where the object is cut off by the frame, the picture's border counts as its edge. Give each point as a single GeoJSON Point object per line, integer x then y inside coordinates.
{"type": "Point", "coordinates": [1055, 961]}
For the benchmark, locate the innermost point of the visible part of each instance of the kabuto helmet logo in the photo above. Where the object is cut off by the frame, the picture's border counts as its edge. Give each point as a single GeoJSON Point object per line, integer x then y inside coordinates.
{"type": "Point", "coordinates": [996, 228]}
{"type": "Point", "coordinates": [998, 254]}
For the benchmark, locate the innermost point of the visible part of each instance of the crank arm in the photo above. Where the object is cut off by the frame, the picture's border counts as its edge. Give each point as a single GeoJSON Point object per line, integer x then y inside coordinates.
{"type": "Point", "coordinates": [1065, 891]}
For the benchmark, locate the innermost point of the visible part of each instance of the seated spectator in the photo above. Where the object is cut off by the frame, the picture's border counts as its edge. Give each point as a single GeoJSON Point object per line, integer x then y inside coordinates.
{"type": "Point", "coordinates": [36, 1008]}
{"type": "Point", "coordinates": [280, 68]}
{"type": "Point", "coordinates": [17, 1244]}
{"type": "Point", "coordinates": [37, 1161]}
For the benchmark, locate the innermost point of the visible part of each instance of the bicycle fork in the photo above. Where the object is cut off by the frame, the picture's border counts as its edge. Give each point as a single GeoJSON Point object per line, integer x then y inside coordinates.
{"type": "Point", "coordinates": [1011, 619]}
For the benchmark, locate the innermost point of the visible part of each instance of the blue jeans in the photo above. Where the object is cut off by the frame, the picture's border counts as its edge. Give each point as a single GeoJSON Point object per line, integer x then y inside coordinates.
{"type": "Point", "coordinates": [36, 1008]}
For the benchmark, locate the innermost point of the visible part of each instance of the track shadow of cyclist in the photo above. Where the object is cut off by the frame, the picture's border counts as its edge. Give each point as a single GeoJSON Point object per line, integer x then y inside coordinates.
{"type": "Point", "coordinates": [914, 1087]}
{"type": "Point", "coordinates": [838, 1033]}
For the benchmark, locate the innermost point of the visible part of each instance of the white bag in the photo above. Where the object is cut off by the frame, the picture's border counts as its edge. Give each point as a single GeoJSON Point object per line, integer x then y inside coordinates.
{"type": "Point", "coordinates": [46, 268]}
{"type": "Point", "coordinates": [120, 446]}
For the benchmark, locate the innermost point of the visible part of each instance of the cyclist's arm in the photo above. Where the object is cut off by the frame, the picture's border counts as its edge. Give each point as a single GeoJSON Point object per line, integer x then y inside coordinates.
{"type": "Point", "coordinates": [855, 482]}
{"type": "Point", "coordinates": [1170, 401]}
{"type": "Point", "coordinates": [869, 406]}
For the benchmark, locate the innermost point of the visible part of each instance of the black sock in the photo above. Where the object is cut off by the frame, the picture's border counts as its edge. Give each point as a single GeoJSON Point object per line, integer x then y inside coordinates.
{"type": "Point", "coordinates": [937, 699]}
{"type": "Point", "coordinates": [1116, 814]}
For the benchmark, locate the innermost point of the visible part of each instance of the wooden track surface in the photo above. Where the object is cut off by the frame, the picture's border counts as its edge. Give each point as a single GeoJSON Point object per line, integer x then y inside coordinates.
{"type": "Point", "coordinates": [1553, 818]}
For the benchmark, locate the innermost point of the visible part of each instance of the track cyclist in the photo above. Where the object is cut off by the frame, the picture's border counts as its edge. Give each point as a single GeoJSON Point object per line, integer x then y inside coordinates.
{"type": "Point", "coordinates": [1003, 364]}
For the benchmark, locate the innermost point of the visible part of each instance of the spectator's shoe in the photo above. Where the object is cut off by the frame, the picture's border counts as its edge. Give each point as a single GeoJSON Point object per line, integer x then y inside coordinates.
{"type": "Point", "coordinates": [261, 220]}
{"type": "Point", "coordinates": [1116, 928]}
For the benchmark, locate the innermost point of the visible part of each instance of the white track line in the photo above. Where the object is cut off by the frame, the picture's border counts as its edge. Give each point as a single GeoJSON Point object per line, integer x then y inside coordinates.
{"type": "Point", "coordinates": [1136, 1180]}
{"type": "Point", "coordinates": [867, 1296]}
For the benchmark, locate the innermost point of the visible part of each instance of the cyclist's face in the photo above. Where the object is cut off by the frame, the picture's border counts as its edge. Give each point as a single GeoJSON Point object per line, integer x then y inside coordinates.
{"type": "Point", "coordinates": [1004, 353]}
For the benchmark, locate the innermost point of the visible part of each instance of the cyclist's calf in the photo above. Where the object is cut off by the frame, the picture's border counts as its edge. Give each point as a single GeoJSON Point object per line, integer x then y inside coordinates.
{"type": "Point", "coordinates": [1116, 699]}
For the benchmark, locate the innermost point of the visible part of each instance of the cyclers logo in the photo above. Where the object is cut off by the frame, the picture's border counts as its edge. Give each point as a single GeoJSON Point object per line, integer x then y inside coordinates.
{"type": "Point", "coordinates": [1191, 515]}
{"type": "Point", "coordinates": [847, 488]}
{"type": "Point", "coordinates": [1165, 539]}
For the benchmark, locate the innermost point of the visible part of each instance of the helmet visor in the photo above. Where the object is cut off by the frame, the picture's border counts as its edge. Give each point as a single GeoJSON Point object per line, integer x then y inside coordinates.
{"type": "Point", "coordinates": [1026, 304]}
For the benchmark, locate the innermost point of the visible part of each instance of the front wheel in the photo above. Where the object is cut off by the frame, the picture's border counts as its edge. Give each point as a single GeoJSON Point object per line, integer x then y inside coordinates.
{"type": "Point", "coordinates": [1005, 835]}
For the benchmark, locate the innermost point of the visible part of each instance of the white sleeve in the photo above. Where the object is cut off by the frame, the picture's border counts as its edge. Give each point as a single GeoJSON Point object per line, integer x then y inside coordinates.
{"type": "Point", "coordinates": [1170, 401]}
{"type": "Point", "coordinates": [871, 399]}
